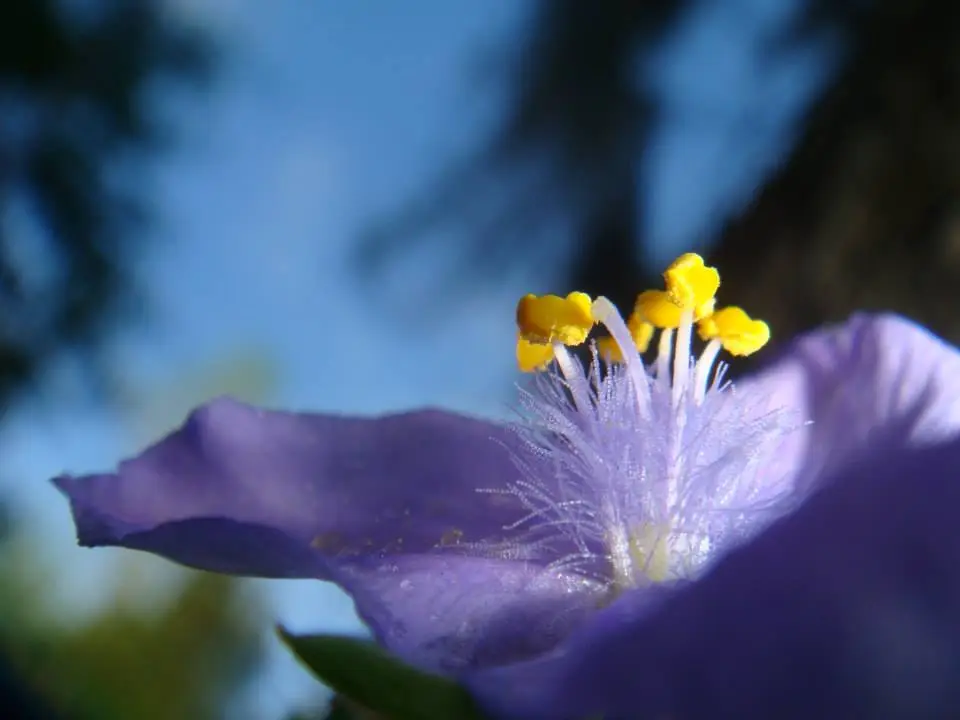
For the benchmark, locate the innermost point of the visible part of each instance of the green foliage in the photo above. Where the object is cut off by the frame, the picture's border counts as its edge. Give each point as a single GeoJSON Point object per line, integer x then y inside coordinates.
{"type": "Point", "coordinates": [183, 660]}
{"type": "Point", "coordinates": [380, 683]}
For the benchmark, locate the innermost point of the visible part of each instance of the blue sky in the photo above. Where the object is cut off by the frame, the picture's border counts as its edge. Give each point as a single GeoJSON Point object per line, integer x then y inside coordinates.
{"type": "Point", "coordinates": [327, 113]}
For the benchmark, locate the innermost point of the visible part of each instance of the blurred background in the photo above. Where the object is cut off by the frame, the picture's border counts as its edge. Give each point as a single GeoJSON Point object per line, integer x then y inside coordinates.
{"type": "Point", "coordinates": [334, 206]}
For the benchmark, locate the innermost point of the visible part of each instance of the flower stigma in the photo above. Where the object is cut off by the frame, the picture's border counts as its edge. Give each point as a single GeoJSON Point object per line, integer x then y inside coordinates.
{"type": "Point", "coordinates": [637, 473]}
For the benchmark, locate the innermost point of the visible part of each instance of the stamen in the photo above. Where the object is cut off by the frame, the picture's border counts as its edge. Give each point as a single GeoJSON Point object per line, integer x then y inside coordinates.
{"type": "Point", "coordinates": [681, 358]}
{"type": "Point", "coordinates": [664, 353]}
{"type": "Point", "coordinates": [533, 356]}
{"type": "Point", "coordinates": [739, 334]}
{"type": "Point", "coordinates": [690, 282]}
{"type": "Point", "coordinates": [549, 318]}
{"type": "Point", "coordinates": [640, 330]}
{"type": "Point", "coordinates": [608, 349]}
{"type": "Point", "coordinates": [606, 313]}
{"type": "Point", "coordinates": [648, 470]}
{"type": "Point", "coordinates": [681, 371]}
{"type": "Point", "coordinates": [573, 374]}
{"type": "Point", "coordinates": [704, 369]}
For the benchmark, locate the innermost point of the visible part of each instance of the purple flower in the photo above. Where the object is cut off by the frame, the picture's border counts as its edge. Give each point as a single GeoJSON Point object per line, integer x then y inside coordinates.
{"type": "Point", "coordinates": [469, 545]}
{"type": "Point", "coordinates": [847, 608]}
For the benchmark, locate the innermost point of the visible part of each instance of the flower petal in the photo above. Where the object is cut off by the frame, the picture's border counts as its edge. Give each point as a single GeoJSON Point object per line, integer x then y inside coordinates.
{"type": "Point", "coordinates": [344, 487]}
{"type": "Point", "coordinates": [876, 380]}
{"type": "Point", "coordinates": [451, 612]}
{"type": "Point", "coordinates": [377, 506]}
{"type": "Point", "coordinates": [848, 608]}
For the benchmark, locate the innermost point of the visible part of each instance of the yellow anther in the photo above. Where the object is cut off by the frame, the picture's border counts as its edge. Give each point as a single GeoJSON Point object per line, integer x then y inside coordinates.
{"type": "Point", "coordinates": [533, 356]}
{"type": "Point", "coordinates": [609, 350]}
{"type": "Point", "coordinates": [691, 283]}
{"type": "Point", "coordinates": [659, 310]}
{"type": "Point", "coordinates": [641, 332]}
{"type": "Point", "coordinates": [691, 288]}
{"type": "Point", "coordinates": [737, 332]}
{"type": "Point", "coordinates": [551, 318]}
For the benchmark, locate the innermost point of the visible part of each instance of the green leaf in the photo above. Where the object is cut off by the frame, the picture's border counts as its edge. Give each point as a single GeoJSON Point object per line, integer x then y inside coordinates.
{"type": "Point", "coordinates": [372, 677]}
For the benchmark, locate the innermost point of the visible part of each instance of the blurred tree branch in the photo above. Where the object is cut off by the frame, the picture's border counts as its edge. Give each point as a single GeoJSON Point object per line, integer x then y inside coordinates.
{"type": "Point", "coordinates": [77, 123]}
{"type": "Point", "coordinates": [565, 161]}
{"type": "Point", "coordinates": [863, 213]}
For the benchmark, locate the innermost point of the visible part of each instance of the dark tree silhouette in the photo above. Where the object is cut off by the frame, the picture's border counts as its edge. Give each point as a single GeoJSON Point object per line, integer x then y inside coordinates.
{"type": "Point", "coordinates": [76, 123]}
{"type": "Point", "coordinates": [863, 214]}
{"type": "Point", "coordinates": [565, 162]}
{"type": "Point", "coordinates": [860, 214]}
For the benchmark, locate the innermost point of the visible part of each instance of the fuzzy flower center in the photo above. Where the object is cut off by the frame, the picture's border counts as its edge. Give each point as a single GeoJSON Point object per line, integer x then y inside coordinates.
{"type": "Point", "coordinates": [639, 473]}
